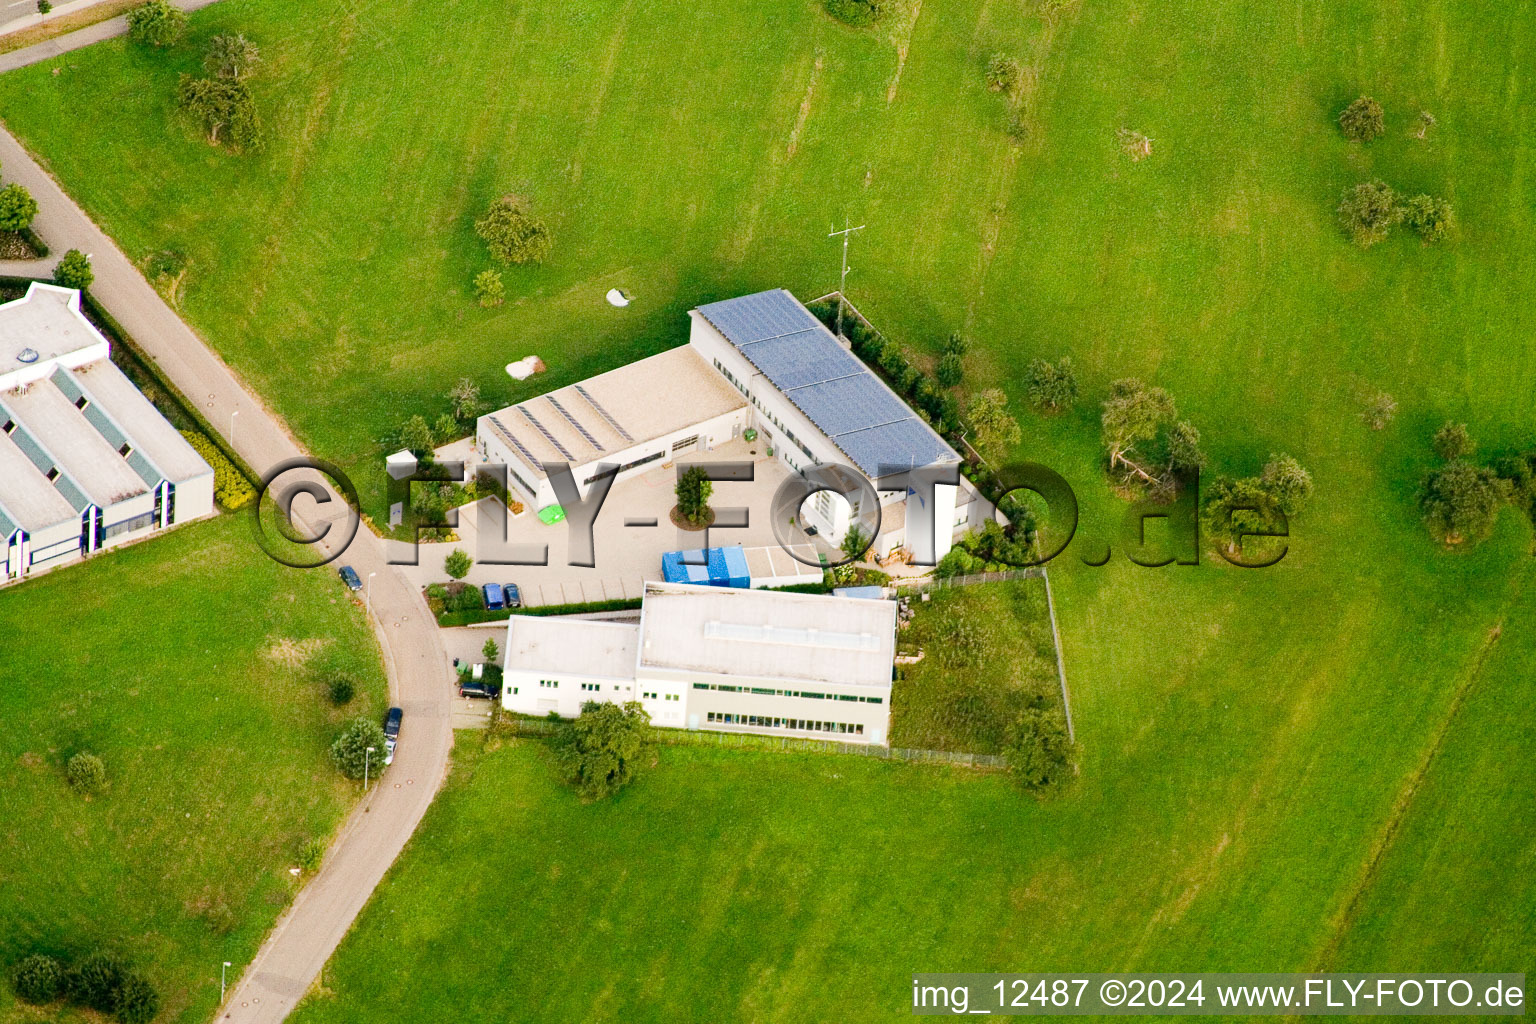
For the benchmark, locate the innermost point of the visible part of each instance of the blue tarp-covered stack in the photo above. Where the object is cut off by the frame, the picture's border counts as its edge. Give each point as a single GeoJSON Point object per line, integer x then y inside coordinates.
{"type": "Point", "coordinates": [721, 567]}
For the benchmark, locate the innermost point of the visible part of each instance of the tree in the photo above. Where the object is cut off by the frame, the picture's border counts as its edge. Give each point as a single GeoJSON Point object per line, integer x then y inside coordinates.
{"type": "Point", "coordinates": [1430, 216]}
{"type": "Point", "coordinates": [490, 652]}
{"type": "Point", "coordinates": [693, 491]}
{"type": "Point", "coordinates": [417, 436]}
{"type": "Point", "coordinates": [39, 979]}
{"type": "Point", "coordinates": [86, 773]}
{"type": "Point", "coordinates": [1237, 507]}
{"type": "Point", "coordinates": [136, 1001]}
{"type": "Point", "coordinates": [858, 13]}
{"type": "Point", "coordinates": [221, 105]}
{"type": "Point", "coordinates": [457, 564]}
{"type": "Point", "coordinates": [350, 751]}
{"type": "Point", "coordinates": [1147, 444]}
{"type": "Point", "coordinates": [341, 690]}
{"type": "Point", "coordinates": [231, 56]}
{"type": "Point", "coordinates": [996, 431]}
{"type": "Point", "coordinates": [17, 208]}
{"type": "Point", "coordinates": [956, 345]}
{"type": "Point", "coordinates": [1287, 482]}
{"type": "Point", "coordinates": [444, 428]}
{"type": "Point", "coordinates": [1052, 387]}
{"type": "Point", "coordinates": [513, 234]}
{"type": "Point", "coordinates": [855, 541]}
{"type": "Point", "coordinates": [606, 747]}
{"type": "Point", "coordinates": [1003, 73]}
{"type": "Point", "coordinates": [951, 370]}
{"type": "Point", "coordinates": [1369, 211]}
{"type": "Point", "coordinates": [1461, 502]}
{"type": "Point", "coordinates": [74, 271]}
{"type": "Point", "coordinates": [156, 23]}
{"type": "Point", "coordinates": [1363, 120]}
{"type": "Point", "coordinates": [44, 6]}
{"type": "Point", "coordinates": [465, 396]}
{"type": "Point", "coordinates": [1454, 441]}
{"type": "Point", "coordinates": [489, 289]}
{"type": "Point", "coordinates": [1039, 752]}
{"type": "Point", "coordinates": [94, 981]}
{"type": "Point", "coordinates": [1380, 409]}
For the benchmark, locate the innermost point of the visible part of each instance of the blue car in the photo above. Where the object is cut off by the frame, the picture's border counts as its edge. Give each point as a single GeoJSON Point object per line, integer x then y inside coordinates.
{"type": "Point", "coordinates": [495, 599]}
{"type": "Point", "coordinates": [350, 578]}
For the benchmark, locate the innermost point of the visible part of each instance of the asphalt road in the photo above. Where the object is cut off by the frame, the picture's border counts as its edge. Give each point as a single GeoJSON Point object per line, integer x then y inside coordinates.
{"type": "Point", "coordinates": [70, 41]}
{"type": "Point", "coordinates": [418, 670]}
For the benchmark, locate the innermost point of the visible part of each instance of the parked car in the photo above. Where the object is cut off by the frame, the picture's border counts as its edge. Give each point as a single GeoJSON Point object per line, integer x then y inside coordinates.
{"type": "Point", "coordinates": [513, 595]}
{"type": "Point", "coordinates": [391, 733]}
{"type": "Point", "coordinates": [495, 598]}
{"type": "Point", "coordinates": [350, 578]}
{"type": "Point", "coordinates": [479, 688]}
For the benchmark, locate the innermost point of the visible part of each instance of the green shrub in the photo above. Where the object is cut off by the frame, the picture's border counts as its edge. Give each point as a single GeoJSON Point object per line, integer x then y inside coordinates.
{"type": "Point", "coordinates": [1363, 120]}
{"type": "Point", "coordinates": [513, 234]}
{"type": "Point", "coordinates": [951, 369]}
{"type": "Point", "coordinates": [17, 208]}
{"type": "Point", "coordinates": [1454, 441]}
{"type": "Point", "coordinates": [1461, 503]}
{"type": "Point", "coordinates": [223, 109]}
{"type": "Point", "coordinates": [1430, 216]}
{"type": "Point", "coordinates": [156, 23]}
{"type": "Point", "coordinates": [488, 288]}
{"type": "Point", "coordinates": [858, 13]}
{"type": "Point", "coordinates": [94, 981]}
{"type": "Point", "coordinates": [136, 1001]}
{"type": "Point", "coordinates": [1052, 387]}
{"type": "Point", "coordinates": [341, 690]}
{"type": "Point", "coordinates": [87, 774]}
{"type": "Point", "coordinates": [1003, 73]}
{"type": "Point", "coordinates": [350, 751]}
{"type": "Point", "coordinates": [39, 979]}
{"type": "Point", "coordinates": [230, 486]}
{"type": "Point", "coordinates": [311, 855]}
{"type": "Point", "coordinates": [74, 271]}
{"type": "Point", "coordinates": [457, 564]}
{"type": "Point", "coordinates": [1369, 211]}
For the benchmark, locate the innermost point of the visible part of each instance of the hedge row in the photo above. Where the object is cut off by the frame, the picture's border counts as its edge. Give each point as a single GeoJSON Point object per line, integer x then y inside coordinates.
{"type": "Point", "coordinates": [230, 486]}
{"type": "Point", "coordinates": [469, 618]}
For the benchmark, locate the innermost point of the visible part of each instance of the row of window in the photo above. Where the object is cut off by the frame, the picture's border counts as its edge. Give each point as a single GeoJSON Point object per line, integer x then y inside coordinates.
{"type": "Point", "coordinates": [627, 466]}
{"type": "Point", "coordinates": [670, 696]}
{"type": "Point", "coordinates": [800, 724]}
{"type": "Point", "coordinates": [765, 692]}
{"type": "Point", "coordinates": [765, 411]}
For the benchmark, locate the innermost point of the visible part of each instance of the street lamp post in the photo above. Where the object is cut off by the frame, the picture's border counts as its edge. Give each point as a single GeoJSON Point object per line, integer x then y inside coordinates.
{"type": "Point", "coordinates": [368, 592]}
{"type": "Point", "coordinates": [232, 427]}
{"type": "Point", "coordinates": [366, 755]}
{"type": "Point", "coordinates": [226, 967]}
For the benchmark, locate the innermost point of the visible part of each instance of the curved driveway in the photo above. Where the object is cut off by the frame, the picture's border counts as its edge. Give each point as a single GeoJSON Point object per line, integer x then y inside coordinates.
{"type": "Point", "coordinates": [378, 828]}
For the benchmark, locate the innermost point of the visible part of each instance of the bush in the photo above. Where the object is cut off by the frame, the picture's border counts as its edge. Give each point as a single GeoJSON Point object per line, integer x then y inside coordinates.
{"type": "Point", "coordinates": [87, 774]}
{"type": "Point", "coordinates": [311, 856]}
{"type": "Point", "coordinates": [17, 208]}
{"type": "Point", "coordinates": [156, 23]}
{"type": "Point", "coordinates": [457, 564]}
{"type": "Point", "coordinates": [956, 345]}
{"type": "Point", "coordinates": [74, 271]}
{"type": "Point", "coordinates": [1461, 503]}
{"type": "Point", "coordinates": [1369, 211]}
{"type": "Point", "coordinates": [221, 105]}
{"type": "Point", "coordinates": [341, 690]}
{"type": "Point", "coordinates": [996, 431]}
{"type": "Point", "coordinates": [1040, 754]}
{"type": "Point", "coordinates": [1288, 483]}
{"type": "Point", "coordinates": [1454, 441]}
{"type": "Point", "coordinates": [39, 979]}
{"type": "Point", "coordinates": [350, 751]}
{"type": "Point", "coordinates": [230, 486]}
{"type": "Point", "coordinates": [513, 234]}
{"type": "Point", "coordinates": [606, 747]}
{"type": "Point", "coordinates": [417, 436]}
{"type": "Point", "coordinates": [94, 981]}
{"type": "Point", "coordinates": [1362, 120]}
{"type": "Point", "coordinates": [693, 490]}
{"type": "Point", "coordinates": [1052, 387]}
{"type": "Point", "coordinates": [1380, 409]}
{"type": "Point", "coordinates": [231, 56]}
{"type": "Point", "coordinates": [1430, 216]}
{"type": "Point", "coordinates": [1003, 73]}
{"type": "Point", "coordinates": [136, 1001]}
{"type": "Point", "coordinates": [858, 13]}
{"type": "Point", "coordinates": [489, 289]}
{"type": "Point", "coordinates": [951, 369]}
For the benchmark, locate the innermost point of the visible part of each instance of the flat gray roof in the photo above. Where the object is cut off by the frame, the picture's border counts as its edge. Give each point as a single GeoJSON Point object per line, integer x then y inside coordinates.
{"type": "Point", "coordinates": [766, 634]}
{"type": "Point", "coordinates": [548, 643]}
{"type": "Point", "coordinates": [65, 433]}
{"type": "Point", "coordinates": [147, 430]}
{"type": "Point", "coordinates": [47, 320]}
{"type": "Point", "coordinates": [27, 499]}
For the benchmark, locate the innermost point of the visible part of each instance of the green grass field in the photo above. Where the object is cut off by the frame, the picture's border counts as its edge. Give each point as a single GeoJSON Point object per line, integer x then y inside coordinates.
{"type": "Point", "coordinates": [193, 666]}
{"type": "Point", "coordinates": [1319, 763]}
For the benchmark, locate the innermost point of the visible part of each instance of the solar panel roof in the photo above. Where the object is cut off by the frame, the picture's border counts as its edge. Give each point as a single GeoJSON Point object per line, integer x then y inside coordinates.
{"type": "Point", "coordinates": [836, 391]}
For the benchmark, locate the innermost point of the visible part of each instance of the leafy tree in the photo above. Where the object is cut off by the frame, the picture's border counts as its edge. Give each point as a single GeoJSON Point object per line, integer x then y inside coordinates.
{"type": "Point", "coordinates": [996, 431]}
{"type": "Point", "coordinates": [1182, 449]}
{"type": "Point", "coordinates": [1052, 386]}
{"type": "Point", "coordinates": [86, 773]}
{"type": "Point", "coordinates": [951, 370]}
{"type": "Point", "coordinates": [1288, 483]}
{"type": "Point", "coordinates": [465, 396]}
{"type": "Point", "coordinates": [956, 345]}
{"type": "Point", "coordinates": [855, 541]}
{"type": "Point", "coordinates": [445, 427]}
{"type": "Point", "coordinates": [1363, 120]}
{"type": "Point", "coordinates": [39, 979]}
{"type": "Point", "coordinates": [606, 747]}
{"type": "Point", "coordinates": [221, 105]}
{"type": "Point", "coordinates": [488, 288]}
{"type": "Point", "coordinates": [1040, 754]}
{"type": "Point", "coordinates": [74, 271]}
{"type": "Point", "coordinates": [136, 1001]}
{"type": "Point", "coordinates": [1003, 73]}
{"type": "Point", "coordinates": [94, 981]}
{"type": "Point", "coordinates": [1147, 444]}
{"type": "Point", "coordinates": [417, 436]}
{"type": "Point", "coordinates": [1430, 216]}
{"type": "Point", "coordinates": [43, 6]}
{"type": "Point", "coordinates": [1235, 507]}
{"type": "Point", "coordinates": [457, 564]}
{"type": "Point", "coordinates": [1454, 441]}
{"type": "Point", "coordinates": [341, 690]}
{"type": "Point", "coordinates": [1369, 211]}
{"type": "Point", "coordinates": [858, 13]}
{"type": "Point", "coordinates": [1461, 502]}
{"type": "Point", "coordinates": [156, 23]}
{"type": "Point", "coordinates": [513, 234]}
{"type": "Point", "coordinates": [1380, 409]}
{"type": "Point", "coordinates": [231, 56]}
{"type": "Point", "coordinates": [490, 652]}
{"type": "Point", "coordinates": [17, 208]}
{"type": "Point", "coordinates": [693, 491]}
{"type": "Point", "coordinates": [350, 751]}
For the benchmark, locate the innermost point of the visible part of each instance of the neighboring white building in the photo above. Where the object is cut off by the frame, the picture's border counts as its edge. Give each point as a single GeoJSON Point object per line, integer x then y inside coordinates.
{"type": "Point", "coordinates": [715, 658]}
{"type": "Point", "coordinates": [86, 462]}
{"type": "Point", "coordinates": [761, 362]}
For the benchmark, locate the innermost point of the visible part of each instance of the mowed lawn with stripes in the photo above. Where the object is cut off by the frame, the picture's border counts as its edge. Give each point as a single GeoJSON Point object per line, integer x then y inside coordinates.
{"type": "Point", "coordinates": [1310, 766]}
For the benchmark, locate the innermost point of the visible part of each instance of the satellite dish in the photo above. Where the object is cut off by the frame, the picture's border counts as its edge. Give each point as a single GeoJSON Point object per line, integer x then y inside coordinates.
{"type": "Point", "coordinates": [27, 355]}
{"type": "Point", "coordinates": [617, 298]}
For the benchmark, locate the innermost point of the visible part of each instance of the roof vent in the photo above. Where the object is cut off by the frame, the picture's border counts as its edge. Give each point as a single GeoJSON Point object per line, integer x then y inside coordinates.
{"type": "Point", "coordinates": [27, 355]}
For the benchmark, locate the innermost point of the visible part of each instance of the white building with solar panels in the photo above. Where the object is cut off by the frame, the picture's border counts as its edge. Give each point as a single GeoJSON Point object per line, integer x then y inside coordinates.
{"type": "Point", "coordinates": [762, 363]}
{"type": "Point", "coordinates": [86, 462]}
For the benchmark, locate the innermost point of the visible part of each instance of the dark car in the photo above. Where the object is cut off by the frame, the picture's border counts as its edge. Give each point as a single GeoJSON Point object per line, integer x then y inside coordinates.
{"type": "Point", "coordinates": [513, 596]}
{"type": "Point", "coordinates": [391, 733]}
{"type": "Point", "coordinates": [479, 689]}
{"type": "Point", "coordinates": [350, 578]}
{"type": "Point", "coordinates": [494, 597]}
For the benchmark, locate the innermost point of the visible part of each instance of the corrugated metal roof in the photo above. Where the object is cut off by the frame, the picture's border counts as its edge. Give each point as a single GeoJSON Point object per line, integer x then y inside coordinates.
{"type": "Point", "coordinates": [839, 394]}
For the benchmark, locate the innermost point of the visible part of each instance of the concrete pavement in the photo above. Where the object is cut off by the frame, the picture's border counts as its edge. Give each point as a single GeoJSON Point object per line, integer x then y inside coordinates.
{"type": "Point", "coordinates": [374, 834]}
